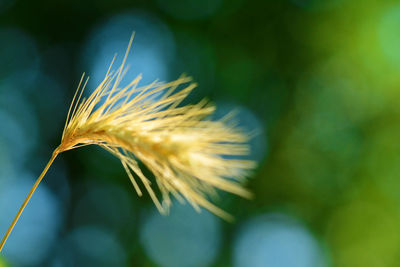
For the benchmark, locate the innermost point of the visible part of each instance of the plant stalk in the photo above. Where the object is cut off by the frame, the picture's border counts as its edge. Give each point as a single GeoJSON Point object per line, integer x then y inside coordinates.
{"type": "Point", "coordinates": [54, 155]}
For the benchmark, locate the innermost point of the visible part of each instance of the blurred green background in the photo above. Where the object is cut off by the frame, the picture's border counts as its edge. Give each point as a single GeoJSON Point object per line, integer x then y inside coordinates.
{"type": "Point", "coordinates": [317, 80]}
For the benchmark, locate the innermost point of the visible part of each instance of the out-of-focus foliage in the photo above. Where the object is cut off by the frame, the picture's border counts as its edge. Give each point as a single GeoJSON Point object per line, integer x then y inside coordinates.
{"type": "Point", "coordinates": [2, 262]}
{"type": "Point", "coordinates": [317, 81]}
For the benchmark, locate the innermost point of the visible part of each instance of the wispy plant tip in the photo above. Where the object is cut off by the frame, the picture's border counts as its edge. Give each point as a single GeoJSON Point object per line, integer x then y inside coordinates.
{"type": "Point", "coordinates": [190, 155]}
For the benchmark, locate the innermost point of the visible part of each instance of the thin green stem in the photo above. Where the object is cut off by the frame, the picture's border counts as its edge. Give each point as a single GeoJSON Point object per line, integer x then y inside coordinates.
{"type": "Point", "coordinates": [54, 155]}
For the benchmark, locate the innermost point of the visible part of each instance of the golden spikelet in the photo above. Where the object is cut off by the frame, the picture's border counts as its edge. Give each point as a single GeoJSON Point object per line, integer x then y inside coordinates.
{"type": "Point", "coordinates": [189, 155]}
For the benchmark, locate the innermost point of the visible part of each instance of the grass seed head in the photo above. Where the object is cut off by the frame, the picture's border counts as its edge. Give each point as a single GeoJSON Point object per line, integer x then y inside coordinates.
{"type": "Point", "coordinates": [189, 154]}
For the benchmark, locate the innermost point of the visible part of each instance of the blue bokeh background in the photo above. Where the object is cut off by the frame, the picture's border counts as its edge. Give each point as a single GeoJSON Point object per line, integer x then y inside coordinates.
{"type": "Point", "coordinates": [316, 81]}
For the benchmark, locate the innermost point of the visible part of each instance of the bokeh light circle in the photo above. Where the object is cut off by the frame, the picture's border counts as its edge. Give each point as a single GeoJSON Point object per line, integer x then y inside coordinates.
{"type": "Point", "coordinates": [19, 131]}
{"type": "Point", "coordinates": [152, 49]}
{"type": "Point", "coordinates": [183, 238]}
{"type": "Point", "coordinates": [276, 240]}
{"type": "Point", "coordinates": [37, 229]}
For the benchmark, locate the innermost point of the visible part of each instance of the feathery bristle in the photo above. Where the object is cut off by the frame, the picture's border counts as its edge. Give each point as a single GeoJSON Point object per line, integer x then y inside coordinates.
{"type": "Point", "coordinates": [186, 152]}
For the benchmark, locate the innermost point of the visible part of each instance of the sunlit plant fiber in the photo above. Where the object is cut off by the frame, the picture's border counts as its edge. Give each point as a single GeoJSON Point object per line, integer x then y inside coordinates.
{"type": "Point", "coordinates": [190, 155]}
